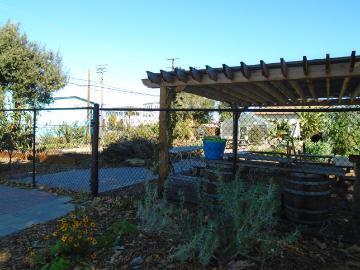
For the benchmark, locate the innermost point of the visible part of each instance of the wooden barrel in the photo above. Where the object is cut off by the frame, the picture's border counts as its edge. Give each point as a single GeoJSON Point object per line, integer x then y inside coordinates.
{"type": "Point", "coordinates": [306, 198]}
{"type": "Point", "coordinates": [215, 171]}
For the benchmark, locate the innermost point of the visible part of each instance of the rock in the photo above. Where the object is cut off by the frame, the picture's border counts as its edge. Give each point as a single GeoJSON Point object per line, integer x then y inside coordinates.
{"type": "Point", "coordinates": [350, 189]}
{"type": "Point", "coordinates": [136, 262]}
{"type": "Point", "coordinates": [119, 248]}
{"type": "Point", "coordinates": [349, 197]}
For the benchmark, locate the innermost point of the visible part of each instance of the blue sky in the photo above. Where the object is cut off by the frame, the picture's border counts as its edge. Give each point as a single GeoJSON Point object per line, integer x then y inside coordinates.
{"type": "Point", "coordinates": [135, 36]}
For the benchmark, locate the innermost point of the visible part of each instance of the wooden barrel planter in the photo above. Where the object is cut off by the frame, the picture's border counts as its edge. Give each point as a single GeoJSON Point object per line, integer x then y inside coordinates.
{"type": "Point", "coordinates": [306, 198]}
{"type": "Point", "coordinates": [215, 171]}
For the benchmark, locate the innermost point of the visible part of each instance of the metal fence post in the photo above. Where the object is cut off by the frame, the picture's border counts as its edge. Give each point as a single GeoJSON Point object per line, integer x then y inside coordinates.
{"type": "Point", "coordinates": [94, 180]}
{"type": "Point", "coordinates": [236, 115]}
{"type": "Point", "coordinates": [34, 149]}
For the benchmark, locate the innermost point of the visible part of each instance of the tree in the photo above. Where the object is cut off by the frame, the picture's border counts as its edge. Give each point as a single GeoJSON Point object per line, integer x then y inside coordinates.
{"type": "Point", "coordinates": [224, 115]}
{"type": "Point", "coordinates": [28, 72]}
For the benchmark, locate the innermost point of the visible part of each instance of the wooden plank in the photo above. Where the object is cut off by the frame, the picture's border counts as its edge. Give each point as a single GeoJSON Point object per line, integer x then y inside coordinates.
{"type": "Point", "coordinates": [245, 70]}
{"type": "Point", "coordinates": [212, 73]}
{"type": "Point", "coordinates": [164, 140]}
{"type": "Point", "coordinates": [284, 69]}
{"type": "Point", "coordinates": [328, 87]}
{"type": "Point", "coordinates": [311, 87]}
{"type": "Point", "coordinates": [298, 89]}
{"type": "Point", "coordinates": [196, 74]}
{"type": "Point", "coordinates": [264, 69]}
{"type": "Point", "coordinates": [256, 92]}
{"type": "Point", "coordinates": [248, 98]}
{"type": "Point", "coordinates": [181, 75]}
{"type": "Point", "coordinates": [243, 91]}
{"type": "Point", "coordinates": [228, 72]}
{"type": "Point", "coordinates": [344, 87]}
{"type": "Point", "coordinates": [272, 91]}
{"type": "Point", "coordinates": [154, 77]}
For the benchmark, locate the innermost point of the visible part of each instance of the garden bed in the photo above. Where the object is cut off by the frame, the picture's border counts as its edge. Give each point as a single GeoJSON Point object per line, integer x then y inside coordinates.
{"type": "Point", "coordinates": [332, 246]}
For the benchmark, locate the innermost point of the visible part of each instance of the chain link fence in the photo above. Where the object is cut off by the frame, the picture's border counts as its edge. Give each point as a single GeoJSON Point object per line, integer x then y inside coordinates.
{"type": "Point", "coordinates": [98, 150]}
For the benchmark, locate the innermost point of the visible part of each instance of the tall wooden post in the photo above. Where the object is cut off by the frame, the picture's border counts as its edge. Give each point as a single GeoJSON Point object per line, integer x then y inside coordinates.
{"type": "Point", "coordinates": [236, 115]}
{"type": "Point", "coordinates": [164, 140]}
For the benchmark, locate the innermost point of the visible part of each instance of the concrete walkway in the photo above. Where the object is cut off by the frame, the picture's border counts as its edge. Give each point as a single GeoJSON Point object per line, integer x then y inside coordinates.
{"type": "Point", "coordinates": [21, 208]}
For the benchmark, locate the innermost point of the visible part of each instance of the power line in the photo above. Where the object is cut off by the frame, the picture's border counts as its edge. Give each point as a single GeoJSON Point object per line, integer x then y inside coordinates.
{"type": "Point", "coordinates": [115, 89]}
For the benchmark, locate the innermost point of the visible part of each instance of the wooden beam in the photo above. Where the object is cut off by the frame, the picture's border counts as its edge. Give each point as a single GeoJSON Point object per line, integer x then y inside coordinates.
{"type": "Point", "coordinates": [311, 87]}
{"type": "Point", "coordinates": [352, 61]}
{"type": "Point", "coordinates": [264, 69]}
{"type": "Point", "coordinates": [305, 66]}
{"type": "Point", "coordinates": [356, 92]}
{"type": "Point", "coordinates": [181, 75]}
{"type": "Point", "coordinates": [248, 99]}
{"type": "Point", "coordinates": [154, 77]}
{"type": "Point", "coordinates": [327, 64]}
{"type": "Point", "coordinates": [317, 72]}
{"type": "Point", "coordinates": [167, 76]}
{"type": "Point", "coordinates": [283, 66]}
{"type": "Point", "coordinates": [344, 87]}
{"type": "Point", "coordinates": [298, 89]}
{"type": "Point", "coordinates": [195, 74]}
{"type": "Point", "coordinates": [164, 140]}
{"type": "Point", "coordinates": [328, 87]}
{"type": "Point", "coordinates": [228, 72]}
{"type": "Point", "coordinates": [284, 90]}
{"type": "Point", "coordinates": [212, 73]}
{"type": "Point", "coordinates": [245, 70]}
{"type": "Point", "coordinates": [271, 91]}
{"type": "Point", "coordinates": [256, 92]}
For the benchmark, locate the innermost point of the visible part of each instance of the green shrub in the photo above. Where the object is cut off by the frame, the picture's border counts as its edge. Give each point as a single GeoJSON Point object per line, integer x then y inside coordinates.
{"type": "Point", "coordinates": [114, 234]}
{"type": "Point", "coordinates": [318, 148]}
{"type": "Point", "coordinates": [124, 149]}
{"type": "Point", "coordinates": [257, 134]}
{"type": "Point", "coordinates": [242, 222]}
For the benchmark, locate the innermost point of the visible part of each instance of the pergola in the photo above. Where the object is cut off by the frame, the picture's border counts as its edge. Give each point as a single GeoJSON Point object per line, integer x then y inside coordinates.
{"type": "Point", "coordinates": [318, 82]}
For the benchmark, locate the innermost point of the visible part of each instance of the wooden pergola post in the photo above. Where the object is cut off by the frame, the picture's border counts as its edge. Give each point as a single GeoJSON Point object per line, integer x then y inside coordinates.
{"type": "Point", "coordinates": [164, 140]}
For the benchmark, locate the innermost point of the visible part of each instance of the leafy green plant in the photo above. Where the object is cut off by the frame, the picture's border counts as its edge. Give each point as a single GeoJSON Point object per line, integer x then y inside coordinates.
{"type": "Point", "coordinates": [115, 232]}
{"type": "Point", "coordinates": [257, 134]}
{"type": "Point", "coordinates": [318, 148]}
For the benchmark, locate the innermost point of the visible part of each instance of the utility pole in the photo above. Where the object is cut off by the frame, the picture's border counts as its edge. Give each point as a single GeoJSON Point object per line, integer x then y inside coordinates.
{"type": "Point", "coordinates": [172, 62]}
{"type": "Point", "coordinates": [101, 69]}
{"type": "Point", "coordinates": [88, 105]}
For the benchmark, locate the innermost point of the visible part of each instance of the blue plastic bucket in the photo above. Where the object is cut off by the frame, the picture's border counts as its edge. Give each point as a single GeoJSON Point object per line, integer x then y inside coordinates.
{"type": "Point", "coordinates": [214, 150]}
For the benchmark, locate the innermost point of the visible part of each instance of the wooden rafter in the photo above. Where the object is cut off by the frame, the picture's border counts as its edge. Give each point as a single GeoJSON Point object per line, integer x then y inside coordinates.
{"type": "Point", "coordinates": [311, 87]}
{"type": "Point", "coordinates": [212, 73]}
{"type": "Point", "coordinates": [328, 87]}
{"type": "Point", "coordinates": [356, 92]}
{"type": "Point", "coordinates": [264, 69]}
{"type": "Point", "coordinates": [195, 74]}
{"type": "Point", "coordinates": [305, 66]}
{"type": "Point", "coordinates": [344, 87]}
{"type": "Point", "coordinates": [245, 70]}
{"type": "Point", "coordinates": [327, 64]}
{"type": "Point", "coordinates": [258, 92]}
{"type": "Point", "coordinates": [284, 69]}
{"type": "Point", "coordinates": [229, 73]}
{"type": "Point", "coordinates": [284, 90]}
{"type": "Point", "coordinates": [246, 93]}
{"type": "Point", "coordinates": [297, 88]}
{"type": "Point", "coordinates": [352, 61]}
{"type": "Point", "coordinates": [181, 75]}
{"type": "Point", "coordinates": [271, 91]}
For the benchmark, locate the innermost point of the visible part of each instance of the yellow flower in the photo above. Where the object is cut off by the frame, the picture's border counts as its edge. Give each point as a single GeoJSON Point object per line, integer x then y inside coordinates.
{"type": "Point", "coordinates": [93, 225]}
{"type": "Point", "coordinates": [93, 256]}
{"type": "Point", "coordinates": [54, 234]}
{"type": "Point", "coordinates": [64, 238]}
{"type": "Point", "coordinates": [63, 220]}
{"type": "Point", "coordinates": [94, 242]}
{"type": "Point", "coordinates": [70, 238]}
{"type": "Point", "coordinates": [73, 216]}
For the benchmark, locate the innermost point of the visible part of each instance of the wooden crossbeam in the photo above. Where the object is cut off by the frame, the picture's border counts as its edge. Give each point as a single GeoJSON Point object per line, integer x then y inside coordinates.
{"type": "Point", "coordinates": [311, 87]}
{"type": "Point", "coordinates": [195, 74]}
{"type": "Point", "coordinates": [229, 73]}
{"type": "Point", "coordinates": [211, 93]}
{"type": "Point", "coordinates": [167, 76]}
{"type": "Point", "coordinates": [344, 87]}
{"type": "Point", "coordinates": [352, 61]}
{"type": "Point", "coordinates": [181, 75]}
{"type": "Point", "coordinates": [305, 66]}
{"type": "Point", "coordinates": [271, 91]}
{"type": "Point", "coordinates": [264, 69]}
{"type": "Point", "coordinates": [245, 70]}
{"type": "Point", "coordinates": [257, 92]}
{"type": "Point", "coordinates": [327, 64]}
{"type": "Point", "coordinates": [298, 89]}
{"type": "Point", "coordinates": [283, 66]}
{"type": "Point", "coordinates": [212, 73]}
